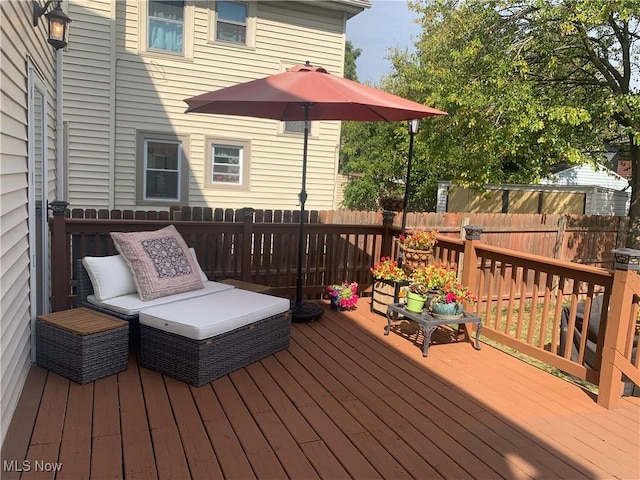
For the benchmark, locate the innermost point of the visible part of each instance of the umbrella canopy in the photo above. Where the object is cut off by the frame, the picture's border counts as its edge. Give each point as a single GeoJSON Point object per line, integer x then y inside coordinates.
{"type": "Point", "coordinates": [283, 97]}
{"type": "Point", "coordinates": [306, 92]}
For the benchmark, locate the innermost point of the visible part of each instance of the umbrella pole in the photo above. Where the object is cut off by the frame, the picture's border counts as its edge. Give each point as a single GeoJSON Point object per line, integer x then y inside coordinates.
{"type": "Point", "coordinates": [303, 311]}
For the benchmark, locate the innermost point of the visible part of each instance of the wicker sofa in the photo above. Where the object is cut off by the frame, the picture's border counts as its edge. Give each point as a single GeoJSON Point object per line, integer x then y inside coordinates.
{"type": "Point", "coordinates": [203, 336]}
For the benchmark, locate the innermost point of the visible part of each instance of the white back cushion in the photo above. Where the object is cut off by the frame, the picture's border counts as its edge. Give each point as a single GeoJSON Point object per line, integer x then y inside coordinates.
{"type": "Point", "coordinates": [110, 276]}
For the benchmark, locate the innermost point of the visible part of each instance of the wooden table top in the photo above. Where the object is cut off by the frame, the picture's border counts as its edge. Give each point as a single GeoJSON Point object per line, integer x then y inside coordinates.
{"type": "Point", "coordinates": [252, 287]}
{"type": "Point", "coordinates": [82, 321]}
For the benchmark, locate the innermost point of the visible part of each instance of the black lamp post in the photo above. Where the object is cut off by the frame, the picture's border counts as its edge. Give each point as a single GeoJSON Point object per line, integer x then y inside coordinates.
{"type": "Point", "coordinates": [58, 22]}
{"type": "Point", "coordinates": [412, 126]}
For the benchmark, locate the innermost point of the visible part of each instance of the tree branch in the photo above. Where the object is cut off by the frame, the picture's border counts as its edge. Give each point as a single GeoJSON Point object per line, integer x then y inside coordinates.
{"type": "Point", "coordinates": [603, 65]}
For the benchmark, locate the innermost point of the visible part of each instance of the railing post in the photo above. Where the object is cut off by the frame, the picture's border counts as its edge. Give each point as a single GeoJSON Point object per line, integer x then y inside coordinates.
{"type": "Point", "coordinates": [387, 238]}
{"type": "Point", "coordinates": [246, 215]}
{"type": "Point", "coordinates": [60, 274]}
{"type": "Point", "coordinates": [470, 263]}
{"type": "Point", "coordinates": [627, 265]}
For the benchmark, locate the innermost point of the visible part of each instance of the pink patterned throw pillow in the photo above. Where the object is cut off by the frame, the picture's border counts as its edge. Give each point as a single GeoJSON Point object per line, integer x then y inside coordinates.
{"type": "Point", "coordinates": [160, 262]}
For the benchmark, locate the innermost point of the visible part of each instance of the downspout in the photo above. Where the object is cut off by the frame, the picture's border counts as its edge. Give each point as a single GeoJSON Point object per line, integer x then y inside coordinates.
{"type": "Point", "coordinates": [61, 160]}
{"type": "Point", "coordinates": [113, 65]}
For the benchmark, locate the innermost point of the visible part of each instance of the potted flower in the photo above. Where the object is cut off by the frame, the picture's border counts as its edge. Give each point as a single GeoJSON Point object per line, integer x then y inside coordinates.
{"type": "Point", "coordinates": [392, 196]}
{"type": "Point", "coordinates": [417, 290]}
{"type": "Point", "coordinates": [436, 275]}
{"type": "Point", "coordinates": [449, 301]}
{"type": "Point", "coordinates": [426, 281]}
{"type": "Point", "coordinates": [392, 203]}
{"type": "Point", "coordinates": [388, 278]}
{"type": "Point", "coordinates": [417, 248]}
{"type": "Point", "coordinates": [343, 296]}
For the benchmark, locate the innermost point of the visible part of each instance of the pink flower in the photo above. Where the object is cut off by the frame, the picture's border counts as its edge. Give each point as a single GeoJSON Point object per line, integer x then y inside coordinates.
{"type": "Point", "coordinates": [451, 297]}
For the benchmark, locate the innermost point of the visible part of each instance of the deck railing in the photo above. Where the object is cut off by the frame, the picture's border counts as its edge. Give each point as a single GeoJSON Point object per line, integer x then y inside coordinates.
{"type": "Point", "coordinates": [527, 302]}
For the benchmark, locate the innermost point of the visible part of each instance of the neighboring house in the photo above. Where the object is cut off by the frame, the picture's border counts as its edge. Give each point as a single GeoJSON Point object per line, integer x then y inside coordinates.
{"type": "Point", "coordinates": [131, 64]}
{"type": "Point", "coordinates": [576, 190]}
{"type": "Point", "coordinates": [124, 136]}
{"type": "Point", "coordinates": [28, 181]}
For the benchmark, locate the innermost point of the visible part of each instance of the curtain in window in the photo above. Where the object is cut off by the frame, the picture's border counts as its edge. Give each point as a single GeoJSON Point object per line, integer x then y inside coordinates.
{"type": "Point", "coordinates": [227, 161]}
{"type": "Point", "coordinates": [232, 20]}
{"type": "Point", "coordinates": [166, 26]}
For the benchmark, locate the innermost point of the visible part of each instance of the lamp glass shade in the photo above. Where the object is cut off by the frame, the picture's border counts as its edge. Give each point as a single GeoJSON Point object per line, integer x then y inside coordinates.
{"type": "Point", "coordinates": [58, 28]}
{"type": "Point", "coordinates": [412, 125]}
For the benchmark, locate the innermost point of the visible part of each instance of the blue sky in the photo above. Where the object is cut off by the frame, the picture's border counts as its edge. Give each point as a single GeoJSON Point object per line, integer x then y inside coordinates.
{"type": "Point", "coordinates": [387, 24]}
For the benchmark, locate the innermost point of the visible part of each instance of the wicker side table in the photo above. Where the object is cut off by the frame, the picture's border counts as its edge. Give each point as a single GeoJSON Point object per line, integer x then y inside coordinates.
{"type": "Point", "coordinates": [81, 344]}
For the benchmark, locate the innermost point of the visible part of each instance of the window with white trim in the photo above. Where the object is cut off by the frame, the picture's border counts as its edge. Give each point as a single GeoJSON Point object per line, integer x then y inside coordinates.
{"type": "Point", "coordinates": [227, 163]}
{"type": "Point", "coordinates": [232, 21]}
{"type": "Point", "coordinates": [162, 174]}
{"type": "Point", "coordinates": [166, 26]}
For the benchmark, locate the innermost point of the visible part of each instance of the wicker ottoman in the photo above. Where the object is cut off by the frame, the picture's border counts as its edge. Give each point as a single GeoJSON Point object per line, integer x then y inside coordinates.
{"type": "Point", "coordinates": [81, 344]}
{"type": "Point", "coordinates": [203, 338]}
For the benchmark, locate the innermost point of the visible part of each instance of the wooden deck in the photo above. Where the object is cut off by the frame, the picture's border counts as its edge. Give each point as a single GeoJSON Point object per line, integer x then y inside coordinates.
{"type": "Point", "coordinates": [343, 401]}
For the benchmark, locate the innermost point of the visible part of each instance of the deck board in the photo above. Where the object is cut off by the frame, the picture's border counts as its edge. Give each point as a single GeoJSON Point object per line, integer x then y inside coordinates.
{"type": "Point", "coordinates": [228, 450]}
{"type": "Point", "coordinates": [75, 449]}
{"type": "Point", "coordinates": [137, 450]}
{"type": "Point", "coordinates": [198, 450]}
{"type": "Point", "coordinates": [106, 456]}
{"type": "Point", "coordinates": [415, 409]}
{"type": "Point", "coordinates": [344, 401]}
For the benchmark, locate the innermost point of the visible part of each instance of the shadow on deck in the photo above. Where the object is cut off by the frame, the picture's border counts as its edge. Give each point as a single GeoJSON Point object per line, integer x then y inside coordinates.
{"type": "Point", "coordinates": [343, 401]}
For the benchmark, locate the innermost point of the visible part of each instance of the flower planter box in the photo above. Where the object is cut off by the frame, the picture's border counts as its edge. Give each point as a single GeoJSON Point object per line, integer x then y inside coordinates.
{"type": "Point", "coordinates": [385, 293]}
{"type": "Point", "coordinates": [413, 259]}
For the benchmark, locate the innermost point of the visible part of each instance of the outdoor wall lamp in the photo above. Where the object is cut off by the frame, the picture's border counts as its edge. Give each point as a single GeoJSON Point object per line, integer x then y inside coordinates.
{"type": "Point", "coordinates": [58, 22]}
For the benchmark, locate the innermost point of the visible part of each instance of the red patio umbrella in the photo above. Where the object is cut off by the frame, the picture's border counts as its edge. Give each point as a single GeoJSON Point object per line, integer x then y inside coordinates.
{"type": "Point", "coordinates": [305, 93]}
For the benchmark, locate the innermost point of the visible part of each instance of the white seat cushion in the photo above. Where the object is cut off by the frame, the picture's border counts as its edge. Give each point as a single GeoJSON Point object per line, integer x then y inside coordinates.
{"type": "Point", "coordinates": [205, 317]}
{"type": "Point", "coordinates": [132, 304]}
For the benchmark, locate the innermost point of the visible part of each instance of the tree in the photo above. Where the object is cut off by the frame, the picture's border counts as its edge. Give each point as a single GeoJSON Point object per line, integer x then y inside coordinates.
{"type": "Point", "coordinates": [527, 85]}
{"type": "Point", "coordinates": [351, 55]}
{"type": "Point", "coordinates": [596, 56]}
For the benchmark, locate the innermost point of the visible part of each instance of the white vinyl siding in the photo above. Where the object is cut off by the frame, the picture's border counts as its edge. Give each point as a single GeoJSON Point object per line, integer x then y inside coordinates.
{"type": "Point", "coordinates": [20, 40]}
{"type": "Point", "coordinates": [89, 98]}
{"type": "Point", "coordinates": [149, 91]}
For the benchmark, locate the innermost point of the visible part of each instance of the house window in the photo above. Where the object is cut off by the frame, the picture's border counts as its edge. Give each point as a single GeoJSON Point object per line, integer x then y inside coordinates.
{"type": "Point", "coordinates": [162, 169]}
{"type": "Point", "coordinates": [165, 29]}
{"type": "Point", "coordinates": [227, 163]}
{"type": "Point", "coordinates": [231, 22]}
{"type": "Point", "coordinates": [294, 127]}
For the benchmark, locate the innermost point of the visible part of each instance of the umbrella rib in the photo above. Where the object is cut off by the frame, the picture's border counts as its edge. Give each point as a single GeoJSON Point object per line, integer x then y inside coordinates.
{"type": "Point", "coordinates": [290, 106]}
{"type": "Point", "coordinates": [377, 113]}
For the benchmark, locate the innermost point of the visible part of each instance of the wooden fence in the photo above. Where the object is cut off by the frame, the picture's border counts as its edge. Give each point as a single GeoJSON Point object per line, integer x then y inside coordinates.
{"type": "Point", "coordinates": [524, 297]}
{"type": "Point", "coordinates": [582, 239]}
